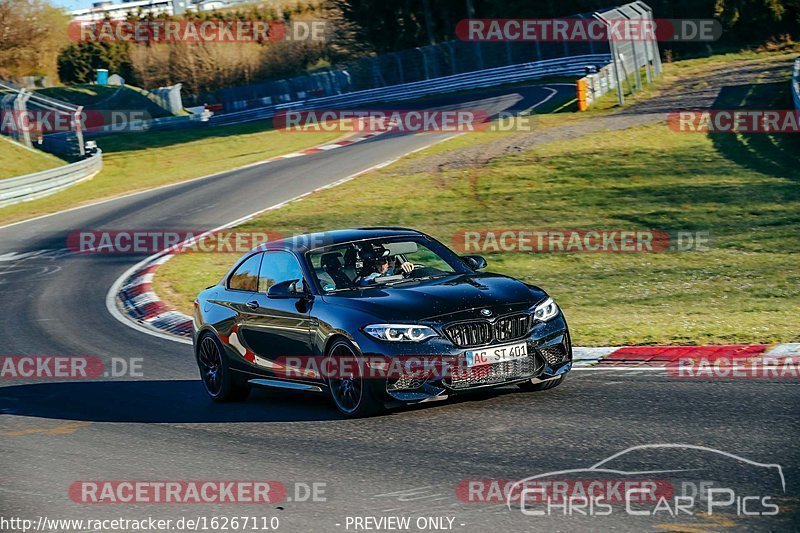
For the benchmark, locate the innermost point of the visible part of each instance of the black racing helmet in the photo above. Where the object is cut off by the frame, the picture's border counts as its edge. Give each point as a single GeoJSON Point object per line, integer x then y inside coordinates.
{"type": "Point", "coordinates": [369, 256]}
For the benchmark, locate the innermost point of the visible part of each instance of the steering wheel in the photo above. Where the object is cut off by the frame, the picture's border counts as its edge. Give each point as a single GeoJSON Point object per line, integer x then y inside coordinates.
{"type": "Point", "coordinates": [417, 272]}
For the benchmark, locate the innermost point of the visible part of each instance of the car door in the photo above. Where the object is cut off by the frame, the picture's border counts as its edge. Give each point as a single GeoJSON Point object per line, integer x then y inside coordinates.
{"type": "Point", "coordinates": [241, 290]}
{"type": "Point", "coordinates": [276, 327]}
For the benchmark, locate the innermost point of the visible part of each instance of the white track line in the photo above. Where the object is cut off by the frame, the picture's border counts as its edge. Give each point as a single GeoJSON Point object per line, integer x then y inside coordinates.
{"type": "Point", "coordinates": [623, 368]}
{"type": "Point", "coordinates": [235, 169]}
{"type": "Point", "coordinates": [111, 296]}
{"type": "Point", "coordinates": [272, 159]}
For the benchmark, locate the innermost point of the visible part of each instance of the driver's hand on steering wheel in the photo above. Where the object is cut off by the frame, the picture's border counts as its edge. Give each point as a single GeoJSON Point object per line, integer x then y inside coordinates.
{"type": "Point", "coordinates": [407, 267]}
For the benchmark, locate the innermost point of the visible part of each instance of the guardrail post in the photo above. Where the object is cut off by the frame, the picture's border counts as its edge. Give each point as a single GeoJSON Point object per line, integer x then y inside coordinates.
{"type": "Point", "coordinates": [653, 42]}
{"type": "Point", "coordinates": [76, 126]}
{"type": "Point", "coordinates": [649, 61]}
{"type": "Point", "coordinates": [7, 106]}
{"type": "Point", "coordinates": [20, 104]}
{"type": "Point", "coordinates": [615, 59]}
{"type": "Point", "coordinates": [637, 76]}
{"type": "Point", "coordinates": [645, 15]}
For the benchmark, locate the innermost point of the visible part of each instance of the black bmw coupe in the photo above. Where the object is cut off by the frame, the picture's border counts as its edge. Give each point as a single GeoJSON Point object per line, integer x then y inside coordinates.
{"type": "Point", "coordinates": [375, 318]}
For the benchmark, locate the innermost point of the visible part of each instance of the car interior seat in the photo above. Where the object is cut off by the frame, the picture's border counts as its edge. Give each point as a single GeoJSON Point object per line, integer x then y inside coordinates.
{"type": "Point", "coordinates": [332, 266]}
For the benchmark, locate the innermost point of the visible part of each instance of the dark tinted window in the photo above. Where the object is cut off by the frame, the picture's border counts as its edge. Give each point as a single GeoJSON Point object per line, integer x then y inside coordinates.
{"type": "Point", "coordinates": [277, 267]}
{"type": "Point", "coordinates": [343, 267]}
{"type": "Point", "coordinates": [246, 276]}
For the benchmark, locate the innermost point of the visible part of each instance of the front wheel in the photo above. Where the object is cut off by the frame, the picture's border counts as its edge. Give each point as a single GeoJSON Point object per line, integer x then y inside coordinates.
{"type": "Point", "coordinates": [350, 391]}
{"type": "Point", "coordinates": [530, 386]}
{"type": "Point", "coordinates": [218, 380]}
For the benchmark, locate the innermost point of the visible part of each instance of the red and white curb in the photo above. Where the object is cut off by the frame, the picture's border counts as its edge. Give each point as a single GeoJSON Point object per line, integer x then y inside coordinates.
{"type": "Point", "coordinates": [133, 302]}
{"type": "Point", "coordinates": [687, 357]}
{"type": "Point", "coordinates": [131, 298]}
{"type": "Point", "coordinates": [326, 147]}
{"type": "Point", "coordinates": [142, 304]}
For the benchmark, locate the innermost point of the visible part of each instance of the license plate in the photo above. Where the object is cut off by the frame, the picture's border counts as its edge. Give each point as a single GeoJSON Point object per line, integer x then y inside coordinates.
{"type": "Point", "coordinates": [497, 354]}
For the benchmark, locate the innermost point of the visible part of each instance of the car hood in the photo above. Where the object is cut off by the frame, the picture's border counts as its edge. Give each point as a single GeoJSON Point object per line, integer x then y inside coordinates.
{"type": "Point", "coordinates": [442, 299]}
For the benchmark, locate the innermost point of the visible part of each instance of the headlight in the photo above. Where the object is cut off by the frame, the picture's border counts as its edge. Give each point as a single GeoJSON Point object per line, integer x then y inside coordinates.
{"type": "Point", "coordinates": [400, 332]}
{"type": "Point", "coordinates": [545, 310]}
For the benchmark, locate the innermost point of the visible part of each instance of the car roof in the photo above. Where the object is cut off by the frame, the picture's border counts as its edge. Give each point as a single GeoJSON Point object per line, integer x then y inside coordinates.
{"type": "Point", "coordinates": [309, 241]}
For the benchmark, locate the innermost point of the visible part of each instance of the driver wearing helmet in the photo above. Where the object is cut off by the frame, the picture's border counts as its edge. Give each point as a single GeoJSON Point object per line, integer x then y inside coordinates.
{"type": "Point", "coordinates": [379, 262]}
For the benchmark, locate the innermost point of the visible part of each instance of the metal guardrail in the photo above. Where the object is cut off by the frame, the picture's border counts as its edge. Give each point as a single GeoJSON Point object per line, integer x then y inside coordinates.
{"type": "Point", "coordinates": [595, 85]}
{"type": "Point", "coordinates": [19, 101]}
{"type": "Point", "coordinates": [453, 57]}
{"type": "Point", "coordinates": [565, 66]}
{"type": "Point", "coordinates": [39, 184]}
{"type": "Point", "coordinates": [796, 84]}
{"type": "Point", "coordinates": [631, 55]}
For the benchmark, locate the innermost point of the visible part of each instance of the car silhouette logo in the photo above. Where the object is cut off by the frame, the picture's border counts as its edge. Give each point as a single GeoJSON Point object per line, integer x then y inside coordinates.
{"type": "Point", "coordinates": [486, 312]}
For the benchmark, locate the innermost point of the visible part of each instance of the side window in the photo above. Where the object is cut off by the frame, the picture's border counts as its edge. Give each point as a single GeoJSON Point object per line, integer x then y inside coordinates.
{"type": "Point", "coordinates": [277, 267]}
{"type": "Point", "coordinates": [246, 276]}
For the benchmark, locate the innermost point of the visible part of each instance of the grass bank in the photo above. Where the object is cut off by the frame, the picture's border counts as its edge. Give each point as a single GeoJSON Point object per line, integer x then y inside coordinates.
{"type": "Point", "coordinates": [742, 190]}
{"type": "Point", "coordinates": [107, 98]}
{"type": "Point", "coordinates": [138, 161]}
{"type": "Point", "coordinates": [16, 160]}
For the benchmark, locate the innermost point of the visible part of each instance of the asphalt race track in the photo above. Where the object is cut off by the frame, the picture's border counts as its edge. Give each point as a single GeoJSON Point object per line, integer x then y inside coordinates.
{"type": "Point", "coordinates": [408, 463]}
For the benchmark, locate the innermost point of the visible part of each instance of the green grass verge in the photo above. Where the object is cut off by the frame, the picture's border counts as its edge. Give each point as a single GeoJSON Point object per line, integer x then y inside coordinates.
{"type": "Point", "coordinates": [16, 160]}
{"type": "Point", "coordinates": [106, 97]}
{"type": "Point", "coordinates": [137, 161]}
{"type": "Point", "coordinates": [743, 189]}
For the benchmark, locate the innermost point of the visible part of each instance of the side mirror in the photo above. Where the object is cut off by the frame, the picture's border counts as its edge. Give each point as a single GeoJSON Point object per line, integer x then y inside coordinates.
{"type": "Point", "coordinates": [475, 262]}
{"type": "Point", "coordinates": [286, 289]}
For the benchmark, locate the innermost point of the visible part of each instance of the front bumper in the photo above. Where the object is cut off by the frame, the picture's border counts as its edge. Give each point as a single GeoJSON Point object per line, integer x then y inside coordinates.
{"type": "Point", "coordinates": [549, 356]}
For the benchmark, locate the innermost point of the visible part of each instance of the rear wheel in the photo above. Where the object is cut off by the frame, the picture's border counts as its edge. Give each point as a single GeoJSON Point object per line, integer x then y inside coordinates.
{"type": "Point", "coordinates": [218, 380]}
{"type": "Point", "coordinates": [530, 386]}
{"type": "Point", "coordinates": [350, 391]}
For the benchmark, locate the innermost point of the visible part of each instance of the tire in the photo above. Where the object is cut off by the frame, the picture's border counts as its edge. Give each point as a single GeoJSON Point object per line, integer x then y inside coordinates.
{"type": "Point", "coordinates": [218, 380]}
{"type": "Point", "coordinates": [354, 397]}
{"type": "Point", "coordinates": [530, 386]}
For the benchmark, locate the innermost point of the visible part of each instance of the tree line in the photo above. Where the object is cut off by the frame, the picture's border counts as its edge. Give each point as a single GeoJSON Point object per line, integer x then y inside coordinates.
{"type": "Point", "coordinates": [389, 26]}
{"type": "Point", "coordinates": [34, 41]}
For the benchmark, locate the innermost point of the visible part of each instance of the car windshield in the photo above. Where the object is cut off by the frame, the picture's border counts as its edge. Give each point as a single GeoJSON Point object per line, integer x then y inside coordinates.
{"type": "Point", "coordinates": [381, 262]}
